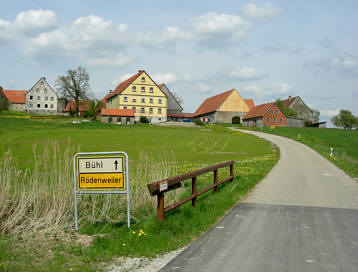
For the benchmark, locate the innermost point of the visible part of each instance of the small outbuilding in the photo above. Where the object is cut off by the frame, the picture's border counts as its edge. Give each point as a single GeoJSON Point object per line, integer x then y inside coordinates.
{"type": "Point", "coordinates": [117, 116]}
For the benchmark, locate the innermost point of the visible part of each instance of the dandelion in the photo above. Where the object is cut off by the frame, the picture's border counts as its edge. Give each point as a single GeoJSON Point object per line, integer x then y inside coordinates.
{"type": "Point", "coordinates": [133, 232]}
{"type": "Point", "coordinates": [123, 244]}
{"type": "Point", "coordinates": [70, 269]}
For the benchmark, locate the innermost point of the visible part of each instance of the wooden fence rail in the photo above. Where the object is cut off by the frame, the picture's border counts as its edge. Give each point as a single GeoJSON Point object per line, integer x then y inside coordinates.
{"type": "Point", "coordinates": [160, 187]}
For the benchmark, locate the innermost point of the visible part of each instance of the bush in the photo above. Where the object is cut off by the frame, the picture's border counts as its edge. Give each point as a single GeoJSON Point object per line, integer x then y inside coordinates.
{"type": "Point", "coordinates": [197, 121]}
{"type": "Point", "coordinates": [236, 120]}
{"type": "Point", "coordinates": [143, 120]}
{"type": "Point", "coordinates": [308, 123]}
{"type": "Point", "coordinates": [4, 103]}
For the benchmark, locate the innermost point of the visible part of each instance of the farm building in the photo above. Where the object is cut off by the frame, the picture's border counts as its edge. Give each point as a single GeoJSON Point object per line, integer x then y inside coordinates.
{"type": "Point", "coordinates": [16, 99]}
{"type": "Point", "coordinates": [141, 94]}
{"type": "Point", "coordinates": [84, 106]}
{"type": "Point", "coordinates": [269, 115]}
{"type": "Point", "coordinates": [296, 104]}
{"type": "Point", "coordinates": [223, 107]}
{"type": "Point", "coordinates": [117, 116]}
{"type": "Point", "coordinates": [41, 98]}
{"type": "Point", "coordinates": [173, 106]}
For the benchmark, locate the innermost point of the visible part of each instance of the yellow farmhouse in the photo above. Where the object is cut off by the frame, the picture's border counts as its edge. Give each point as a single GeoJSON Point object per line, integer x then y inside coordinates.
{"type": "Point", "coordinates": [141, 94]}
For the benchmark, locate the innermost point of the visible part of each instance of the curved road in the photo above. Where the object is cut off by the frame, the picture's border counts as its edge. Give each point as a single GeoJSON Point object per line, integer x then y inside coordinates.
{"type": "Point", "coordinates": [302, 217]}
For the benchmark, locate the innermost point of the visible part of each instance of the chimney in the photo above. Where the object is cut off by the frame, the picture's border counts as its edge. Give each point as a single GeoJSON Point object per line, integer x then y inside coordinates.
{"type": "Point", "coordinates": [110, 91]}
{"type": "Point", "coordinates": [289, 98]}
{"type": "Point", "coordinates": [139, 71]}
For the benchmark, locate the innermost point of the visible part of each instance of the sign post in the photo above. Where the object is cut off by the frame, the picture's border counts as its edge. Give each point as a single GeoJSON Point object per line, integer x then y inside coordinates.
{"type": "Point", "coordinates": [101, 173]}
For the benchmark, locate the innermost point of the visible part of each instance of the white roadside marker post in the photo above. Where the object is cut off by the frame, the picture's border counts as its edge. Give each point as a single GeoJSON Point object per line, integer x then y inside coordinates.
{"type": "Point", "coordinates": [331, 154]}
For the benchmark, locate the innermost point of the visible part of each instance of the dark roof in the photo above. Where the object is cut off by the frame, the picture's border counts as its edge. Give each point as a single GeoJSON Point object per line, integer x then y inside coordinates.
{"type": "Point", "coordinates": [258, 111]}
{"type": "Point", "coordinates": [213, 103]}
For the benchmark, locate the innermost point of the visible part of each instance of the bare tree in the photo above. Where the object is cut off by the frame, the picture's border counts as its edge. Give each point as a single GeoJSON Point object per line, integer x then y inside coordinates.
{"type": "Point", "coordinates": [74, 85]}
{"type": "Point", "coordinates": [179, 99]}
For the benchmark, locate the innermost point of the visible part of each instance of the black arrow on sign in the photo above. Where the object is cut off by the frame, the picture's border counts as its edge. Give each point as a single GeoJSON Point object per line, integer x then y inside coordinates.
{"type": "Point", "coordinates": [116, 164]}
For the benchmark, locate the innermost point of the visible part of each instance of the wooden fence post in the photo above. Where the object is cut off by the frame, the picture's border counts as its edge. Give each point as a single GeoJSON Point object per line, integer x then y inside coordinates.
{"type": "Point", "coordinates": [160, 207]}
{"type": "Point", "coordinates": [193, 190]}
{"type": "Point", "coordinates": [232, 171]}
{"type": "Point", "coordinates": [216, 181]}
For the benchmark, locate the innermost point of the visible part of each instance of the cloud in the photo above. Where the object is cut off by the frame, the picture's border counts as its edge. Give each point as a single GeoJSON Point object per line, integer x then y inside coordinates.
{"type": "Point", "coordinates": [273, 91]}
{"type": "Point", "coordinates": [164, 77]}
{"type": "Point", "coordinates": [35, 21]}
{"type": "Point", "coordinates": [283, 48]}
{"type": "Point", "coordinates": [326, 43]}
{"type": "Point", "coordinates": [110, 61]}
{"type": "Point", "coordinates": [212, 29]}
{"type": "Point", "coordinates": [252, 11]}
{"type": "Point", "coordinates": [329, 113]}
{"type": "Point", "coordinates": [345, 64]}
{"type": "Point", "coordinates": [247, 73]}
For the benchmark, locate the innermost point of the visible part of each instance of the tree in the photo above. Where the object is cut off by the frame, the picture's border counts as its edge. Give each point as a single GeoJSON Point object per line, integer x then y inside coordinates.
{"type": "Point", "coordinates": [344, 119]}
{"type": "Point", "coordinates": [74, 85]}
{"type": "Point", "coordinates": [95, 106]}
{"type": "Point", "coordinates": [4, 103]}
{"type": "Point", "coordinates": [179, 99]}
{"type": "Point", "coordinates": [285, 111]}
{"type": "Point", "coordinates": [316, 115]}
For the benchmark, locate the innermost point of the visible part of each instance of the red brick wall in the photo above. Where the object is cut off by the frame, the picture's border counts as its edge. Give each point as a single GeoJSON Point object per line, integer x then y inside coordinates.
{"type": "Point", "coordinates": [273, 115]}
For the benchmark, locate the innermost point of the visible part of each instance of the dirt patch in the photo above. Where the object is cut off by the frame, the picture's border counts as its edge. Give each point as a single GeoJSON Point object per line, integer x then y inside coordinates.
{"type": "Point", "coordinates": [177, 124]}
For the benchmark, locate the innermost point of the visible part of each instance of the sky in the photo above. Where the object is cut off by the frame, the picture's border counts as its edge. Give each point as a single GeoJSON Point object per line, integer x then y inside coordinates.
{"type": "Point", "coordinates": [264, 49]}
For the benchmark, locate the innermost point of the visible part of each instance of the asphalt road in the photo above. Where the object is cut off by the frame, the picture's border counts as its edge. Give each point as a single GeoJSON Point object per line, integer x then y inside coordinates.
{"type": "Point", "coordinates": [302, 217]}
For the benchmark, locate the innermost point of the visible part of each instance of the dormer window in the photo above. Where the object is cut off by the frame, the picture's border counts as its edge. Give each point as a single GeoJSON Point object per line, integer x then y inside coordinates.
{"type": "Point", "coordinates": [143, 79]}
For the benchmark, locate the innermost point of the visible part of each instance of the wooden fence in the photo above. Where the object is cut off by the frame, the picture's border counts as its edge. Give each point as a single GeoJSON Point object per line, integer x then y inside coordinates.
{"type": "Point", "coordinates": [160, 187]}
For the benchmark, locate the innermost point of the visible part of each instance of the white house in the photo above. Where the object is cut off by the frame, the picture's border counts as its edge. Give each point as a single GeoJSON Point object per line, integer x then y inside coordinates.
{"type": "Point", "coordinates": [41, 98]}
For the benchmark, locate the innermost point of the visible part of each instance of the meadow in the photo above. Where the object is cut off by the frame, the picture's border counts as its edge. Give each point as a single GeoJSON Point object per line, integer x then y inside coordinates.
{"type": "Point", "coordinates": [344, 144]}
{"type": "Point", "coordinates": [36, 197]}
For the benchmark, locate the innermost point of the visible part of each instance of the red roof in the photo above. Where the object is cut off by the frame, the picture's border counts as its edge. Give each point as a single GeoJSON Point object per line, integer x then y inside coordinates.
{"type": "Point", "coordinates": [17, 97]}
{"type": "Point", "coordinates": [258, 111]}
{"type": "Point", "coordinates": [250, 103]}
{"type": "Point", "coordinates": [181, 115]}
{"type": "Point", "coordinates": [213, 103]}
{"type": "Point", "coordinates": [123, 85]}
{"type": "Point", "coordinates": [118, 112]}
{"type": "Point", "coordinates": [84, 105]}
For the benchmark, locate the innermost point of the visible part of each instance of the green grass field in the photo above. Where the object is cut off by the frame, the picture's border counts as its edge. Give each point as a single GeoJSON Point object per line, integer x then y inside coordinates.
{"type": "Point", "coordinates": [343, 142]}
{"type": "Point", "coordinates": [36, 207]}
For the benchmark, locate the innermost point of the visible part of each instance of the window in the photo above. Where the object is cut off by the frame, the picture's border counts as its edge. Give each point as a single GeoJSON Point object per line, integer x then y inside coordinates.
{"type": "Point", "coordinates": [38, 105]}
{"type": "Point", "coordinates": [143, 89]}
{"type": "Point", "coordinates": [119, 119]}
{"type": "Point", "coordinates": [143, 79]}
{"type": "Point", "coordinates": [280, 120]}
{"type": "Point", "coordinates": [159, 111]}
{"type": "Point", "coordinates": [151, 100]}
{"type": "Point", "coordinates": [150, 110]}
{"type": "Point", "coordinates": [277, 112]}
{"type": "Point", "coordinates": [134, 89]}
{"type": "Point", "coordinates": [274, 119]}
{"type": "Point", "coordinates": [124, 108]}
{"type": "Point", "coordinates": [110, 119]}
{"type": "Point", "coordinates": [133, 108]}
{"type": "Point", "coordinates": [134, 99]}
{"type": "Point", "coordinates": [125, 99]}
{"type": "Point", "coordinates": [30, 105]}
{"type": "Point", "coordinates": [142, 110]}
{"type": "Point", "coordinates": [268, 119]}
{"type": "Point", "coordinates": [39, 98]}
{"type": "Point", "coordinates": [159, 101]}
{"type": "Point", "coordinates": [271, 111]}
{"type": "Point", "coordinates": [45, 90]}
{"type": "Point", "coordinates": [143, 100]}
{"type": "Point", "coordinates": [151, 89]}
{"type": "Point", "coordinates": [31, 97]}
{"type": "Point", "coordinates": [46, 98]}
{"type": "Point", "coordinates": [51, 106]}
{"type": "Point", "coordinates": [46, 106]}
{"type": "Point", "coordinates": [52, 98]}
